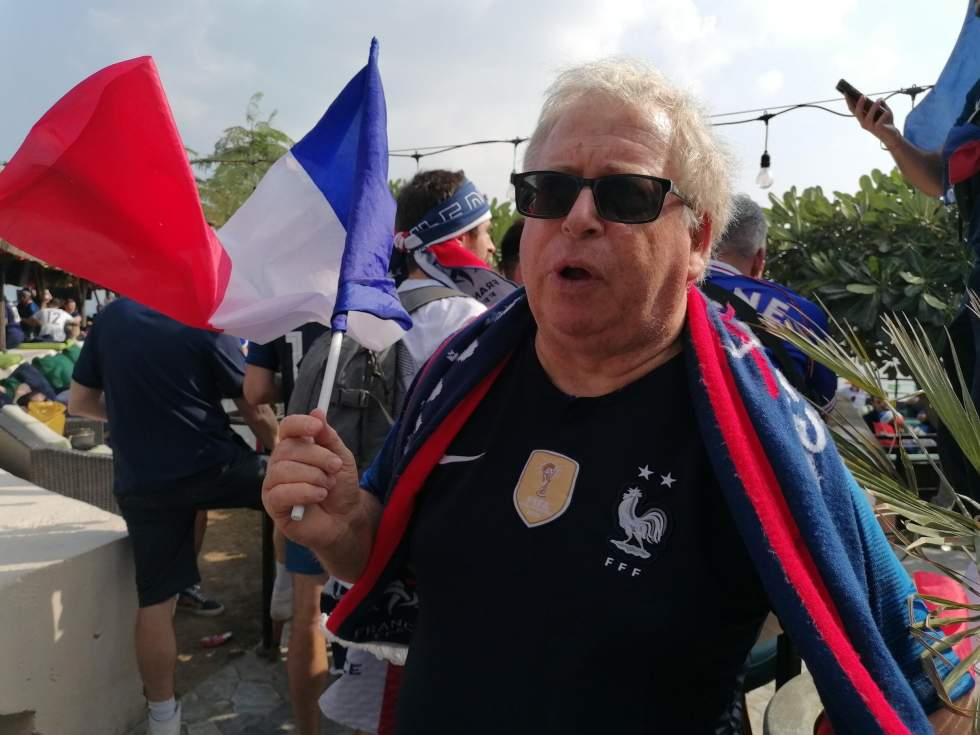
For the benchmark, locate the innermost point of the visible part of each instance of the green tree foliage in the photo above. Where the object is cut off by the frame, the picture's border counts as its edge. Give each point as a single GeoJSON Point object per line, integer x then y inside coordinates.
{"type": "Point", "coordinates": [504, 215]}
{"type": "Point", "coordinates": [240, 159]}
{"type": "Point", "coordinates": [886, 248]}
{"type": "Point", "coordinates": [395, 186]}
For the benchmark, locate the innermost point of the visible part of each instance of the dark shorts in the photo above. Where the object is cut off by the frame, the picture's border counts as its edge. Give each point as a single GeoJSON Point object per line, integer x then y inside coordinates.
{"type": "Point", "coordinates": [300, 560]}
{"type": "Point", "coordinates": [161, 524]}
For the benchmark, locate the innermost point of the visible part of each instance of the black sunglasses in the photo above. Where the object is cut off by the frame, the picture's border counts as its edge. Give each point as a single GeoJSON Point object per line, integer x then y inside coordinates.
{"type": "Point", "coordinates": [628, 198]}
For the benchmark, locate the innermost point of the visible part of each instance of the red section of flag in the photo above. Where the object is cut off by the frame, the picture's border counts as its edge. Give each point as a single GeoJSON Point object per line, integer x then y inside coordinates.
{"type": "Point", "coordinates": [102, 188]}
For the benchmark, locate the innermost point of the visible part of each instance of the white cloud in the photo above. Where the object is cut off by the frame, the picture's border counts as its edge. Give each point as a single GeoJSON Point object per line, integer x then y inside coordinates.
{"type": "Point", "coordinates": [593, 30]}
{"type": "Point", "coordinates": [807, 22]}
{"type": "Point", "coordinates": [770, 82]}
{"type": "Point", "coordinates": [872, 64]}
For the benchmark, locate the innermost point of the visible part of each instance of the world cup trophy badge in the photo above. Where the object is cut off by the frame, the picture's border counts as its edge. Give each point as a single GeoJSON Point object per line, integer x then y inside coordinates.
{"type": "Point", "coordinates": [544, 490]}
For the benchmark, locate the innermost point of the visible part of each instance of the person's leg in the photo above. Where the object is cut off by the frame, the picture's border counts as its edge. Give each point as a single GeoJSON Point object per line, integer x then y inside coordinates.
{"type": "Point", "coordinates": [237, 486]}
{"type": "Point", "coordinates": [162, 539]}
{"type": "Point", "coordinates": [306, 663]}
{"type": "Point", "coordinates": [193, 599]}
{"type": "Point", "coordinates": [200, 527]}
{"type": "Point", "coordinates": [156, 649]}
{"type": "Point", "coordinates": [281, 606]}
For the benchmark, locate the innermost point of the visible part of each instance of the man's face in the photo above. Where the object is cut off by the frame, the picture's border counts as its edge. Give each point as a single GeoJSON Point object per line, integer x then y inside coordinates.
{"type": "Point", "coordinates": [613, 285]}
{"type": "Point", "coordinates": [24, 297]}
{"type": "Point", "coordinates": [478, 242]}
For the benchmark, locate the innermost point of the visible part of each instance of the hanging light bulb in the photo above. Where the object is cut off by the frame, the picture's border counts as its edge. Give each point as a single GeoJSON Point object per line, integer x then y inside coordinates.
{"type": "Point", "coordinates": [764, 178]}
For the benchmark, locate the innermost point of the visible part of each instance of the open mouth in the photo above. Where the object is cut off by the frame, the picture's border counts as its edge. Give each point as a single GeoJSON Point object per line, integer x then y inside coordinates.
{"type": "Point", "coordinates": [574, 273]}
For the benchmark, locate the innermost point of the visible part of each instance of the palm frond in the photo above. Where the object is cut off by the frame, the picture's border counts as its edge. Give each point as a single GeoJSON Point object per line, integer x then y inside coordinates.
{"type": "Point", "coordinates": [957, 412]}
{"type": "Point", "coordinates": [849, 361]}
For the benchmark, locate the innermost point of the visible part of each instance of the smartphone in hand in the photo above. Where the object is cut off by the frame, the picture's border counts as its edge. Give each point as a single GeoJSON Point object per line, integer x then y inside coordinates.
{"type": "Point", "coordinates": [853, 95]}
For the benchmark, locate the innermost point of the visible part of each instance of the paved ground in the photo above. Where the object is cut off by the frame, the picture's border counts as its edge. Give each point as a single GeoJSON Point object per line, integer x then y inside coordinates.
{"type": "Point", "coordinates": [249, 696]}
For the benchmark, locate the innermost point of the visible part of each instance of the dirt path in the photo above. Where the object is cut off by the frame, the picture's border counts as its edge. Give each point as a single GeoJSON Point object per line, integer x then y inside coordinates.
{"type": "Point", "coordinates": [230, 573]}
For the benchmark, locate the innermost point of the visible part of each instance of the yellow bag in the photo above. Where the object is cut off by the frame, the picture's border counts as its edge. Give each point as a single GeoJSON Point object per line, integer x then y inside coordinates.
{"type": "Point", "coordinates": [50, 413]}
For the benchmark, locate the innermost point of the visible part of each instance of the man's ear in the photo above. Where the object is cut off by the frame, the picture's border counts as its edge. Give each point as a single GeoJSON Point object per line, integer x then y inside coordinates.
{"type": "Point", "coordinates": [700, 250]}
{"type": "Point", "coordinates": [759, 263]}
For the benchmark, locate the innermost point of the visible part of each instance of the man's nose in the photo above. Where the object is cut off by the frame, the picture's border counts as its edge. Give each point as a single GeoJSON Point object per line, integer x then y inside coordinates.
{"type": "Point", "coordinates": [583, 218]}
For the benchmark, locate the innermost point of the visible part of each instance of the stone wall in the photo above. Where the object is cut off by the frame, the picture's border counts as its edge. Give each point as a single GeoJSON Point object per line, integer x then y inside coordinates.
{"type": "Point", "coordinates": [67, 609]}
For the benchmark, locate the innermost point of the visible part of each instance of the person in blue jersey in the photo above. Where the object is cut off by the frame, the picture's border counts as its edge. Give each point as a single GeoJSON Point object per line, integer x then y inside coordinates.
{"type": "Point", "coordinates": [956, 166]}
{"type": "Point", "coordinates": [737, 267]}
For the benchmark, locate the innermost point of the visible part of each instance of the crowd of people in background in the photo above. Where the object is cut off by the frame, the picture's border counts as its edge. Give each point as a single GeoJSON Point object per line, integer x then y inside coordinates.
{"type": "Point", "coordinates": [42, 318]}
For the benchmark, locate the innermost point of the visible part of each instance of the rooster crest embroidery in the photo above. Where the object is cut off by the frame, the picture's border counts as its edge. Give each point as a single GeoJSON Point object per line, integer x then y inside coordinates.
{"type": "Point", "coordinates": [639, 529]}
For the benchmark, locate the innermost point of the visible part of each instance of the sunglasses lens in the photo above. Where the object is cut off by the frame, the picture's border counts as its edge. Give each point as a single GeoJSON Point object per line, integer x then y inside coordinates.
{"type": "Point", "coordinates": [548, 195]}
{"type": "Point", "coordinates": [628, 198]}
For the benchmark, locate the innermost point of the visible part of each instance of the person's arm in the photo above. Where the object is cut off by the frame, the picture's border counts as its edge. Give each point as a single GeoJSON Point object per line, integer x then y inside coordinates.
{"type": "Point", "coordinates": [311, 467]}
{"type": "Point", "coordinates": [921, 168]}
{"type": "Point", "coordinates": [72, 326]}
{"type": "Point", "coordinates": [260, 385]}
{"type": "Point", "coordinates": [87, 402]}
{"type": "Point", "coordinates": [261, 420]}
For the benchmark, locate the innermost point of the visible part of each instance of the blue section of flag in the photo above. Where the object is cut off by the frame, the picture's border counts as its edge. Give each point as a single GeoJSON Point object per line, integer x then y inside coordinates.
{"type": "Point", "coordinates": [927, 125]}
{"type": "Point", "coordinates": [346, 156]}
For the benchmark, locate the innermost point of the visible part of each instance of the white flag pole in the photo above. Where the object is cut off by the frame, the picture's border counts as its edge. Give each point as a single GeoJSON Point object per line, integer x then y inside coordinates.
{"type": "Point", "coordinates": [326, 388]}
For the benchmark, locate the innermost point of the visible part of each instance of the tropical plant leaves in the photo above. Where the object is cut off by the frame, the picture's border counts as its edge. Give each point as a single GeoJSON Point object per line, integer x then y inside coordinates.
{"type": "Point", "coordinates": [886, 248]}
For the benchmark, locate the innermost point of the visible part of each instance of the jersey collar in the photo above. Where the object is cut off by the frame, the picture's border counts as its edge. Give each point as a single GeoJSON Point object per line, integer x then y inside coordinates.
{"type": "Point", "coordinates": [721, 268]}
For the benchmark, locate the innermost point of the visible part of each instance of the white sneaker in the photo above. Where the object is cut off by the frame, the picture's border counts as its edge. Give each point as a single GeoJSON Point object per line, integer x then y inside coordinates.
{"type": "Point", "coordinates": [281, 606]}
{"type": "Point", "coordinates": [170, 727]}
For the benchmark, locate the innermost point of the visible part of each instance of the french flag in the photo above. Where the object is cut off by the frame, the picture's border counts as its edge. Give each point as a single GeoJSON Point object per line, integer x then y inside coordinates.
{"type": "Point", "coordinates": [928, 123]}
{"type": "Point", "coordinates": [102, 188]}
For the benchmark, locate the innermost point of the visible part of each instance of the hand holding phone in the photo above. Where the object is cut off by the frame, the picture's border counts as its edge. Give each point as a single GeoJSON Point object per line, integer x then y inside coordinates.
{"type": "Point", "coordinates": [853, 95]}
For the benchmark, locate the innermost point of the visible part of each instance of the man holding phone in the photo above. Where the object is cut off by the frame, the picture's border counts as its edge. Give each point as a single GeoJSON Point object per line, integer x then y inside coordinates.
{"type": "Point", "coordinates": [956, 166]}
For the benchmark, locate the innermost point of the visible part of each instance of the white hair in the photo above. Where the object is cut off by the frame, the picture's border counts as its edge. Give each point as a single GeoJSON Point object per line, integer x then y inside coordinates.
{"type": "Point", "coordinates": [747, 229]}
{"type": "Point", "coordinates": [700, 165]}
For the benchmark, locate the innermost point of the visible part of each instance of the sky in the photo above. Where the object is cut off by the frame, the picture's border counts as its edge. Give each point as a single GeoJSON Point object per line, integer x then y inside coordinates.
{"type": "Point", "coordinates": [457, 72]}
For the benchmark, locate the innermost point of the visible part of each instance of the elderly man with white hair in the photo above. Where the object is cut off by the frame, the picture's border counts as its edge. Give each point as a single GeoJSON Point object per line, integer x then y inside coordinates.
{"type": "Point", "coordinates": [736, 270]}
{"type": "Point", "coordinates": [598, 489]}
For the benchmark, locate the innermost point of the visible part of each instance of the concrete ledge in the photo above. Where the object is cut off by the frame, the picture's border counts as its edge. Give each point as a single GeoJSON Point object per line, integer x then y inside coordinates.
{"type": "Point", "coordinates": [67, 609]}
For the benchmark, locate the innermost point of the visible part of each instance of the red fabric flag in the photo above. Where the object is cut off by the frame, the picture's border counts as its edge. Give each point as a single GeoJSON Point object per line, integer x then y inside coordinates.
{"type": "Point", "coordinates": [102, 188]}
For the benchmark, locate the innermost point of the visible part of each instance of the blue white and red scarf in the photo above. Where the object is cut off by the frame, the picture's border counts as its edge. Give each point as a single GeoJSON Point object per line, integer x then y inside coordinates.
{"type": "Point", "coordinates": [827, 568]}
{"type": "Point", "coordinates": [434, 246]}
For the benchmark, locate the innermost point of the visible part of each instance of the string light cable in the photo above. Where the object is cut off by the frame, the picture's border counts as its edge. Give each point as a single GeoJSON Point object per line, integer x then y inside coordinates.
{"type": "Point", "coordinates": [766, 114]}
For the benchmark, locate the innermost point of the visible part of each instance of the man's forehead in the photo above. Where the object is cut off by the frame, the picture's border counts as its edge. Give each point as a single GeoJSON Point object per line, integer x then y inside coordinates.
{"type": "Point", "coordinates": [619, 150]}
{"type": "Point", "coordinates": [605, 122]}
{"type": "Point", "coordinates": [651, 118]}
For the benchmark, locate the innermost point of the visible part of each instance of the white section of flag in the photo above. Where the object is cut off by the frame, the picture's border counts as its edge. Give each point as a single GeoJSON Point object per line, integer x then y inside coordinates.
{"type": "Point", "coordinates": [285, 245]}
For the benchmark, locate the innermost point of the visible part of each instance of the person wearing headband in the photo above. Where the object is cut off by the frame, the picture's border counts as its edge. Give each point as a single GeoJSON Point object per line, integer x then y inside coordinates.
{"type": "Point", "coordinates": [442, 232]}
{"type": "Point", "coordinates": [442, 226]}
